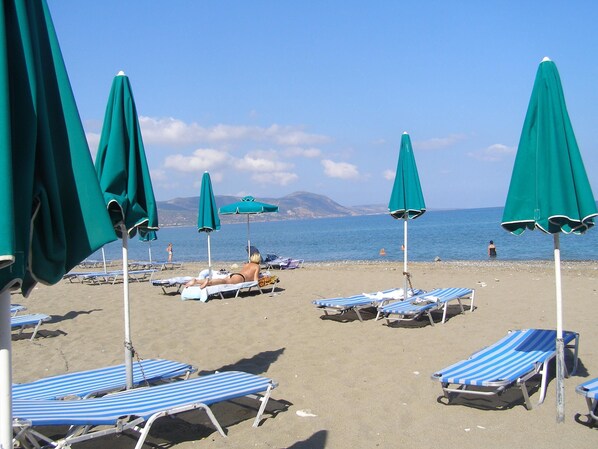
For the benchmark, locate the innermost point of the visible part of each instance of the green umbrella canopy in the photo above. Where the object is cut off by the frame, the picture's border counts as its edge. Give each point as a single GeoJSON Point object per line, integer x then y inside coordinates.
{"type": "Point", "coordinates": [207, 217]}
{"type": "Point", "coordinates": [121, 164]}
{"type": "Point", "coordinates": [52, 214]}
{"type": "Point", "coordinates": [149, 236]}
{"type": "Point", "coordinates": [247, 205]}
{"type": "Point", "coordinates": [549, 187]}
{"type": "Point", "coordinates": [406, 200]}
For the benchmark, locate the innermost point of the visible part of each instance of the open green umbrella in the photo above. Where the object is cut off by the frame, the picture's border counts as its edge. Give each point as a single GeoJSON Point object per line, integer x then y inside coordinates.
{"type": "Point", "coordinates": [124, 177]}
{"type": "Point", "coordinates": [52, 214]}
{"type": "Point", "coordinates": [248, 206]}
{"type": "Point", "coordinates": [549, 187]}
{"type": "Point", "coordinates": [407, 199]}
{"type": "Point", "coordinates": [207, 216]}
{"type": "Point", "coordinates": [148, 238]}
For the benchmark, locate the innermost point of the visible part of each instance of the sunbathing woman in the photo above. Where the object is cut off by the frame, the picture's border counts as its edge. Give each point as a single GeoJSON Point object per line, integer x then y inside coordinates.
{"type": "Point", "coordinates": [249, 272]}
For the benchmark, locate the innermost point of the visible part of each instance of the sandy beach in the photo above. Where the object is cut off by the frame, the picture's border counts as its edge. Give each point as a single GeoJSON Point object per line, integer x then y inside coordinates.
{"type": "Point", "coordinates": [362, 384]}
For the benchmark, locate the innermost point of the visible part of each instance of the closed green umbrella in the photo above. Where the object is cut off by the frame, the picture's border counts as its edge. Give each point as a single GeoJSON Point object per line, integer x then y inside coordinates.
{"type": "Point", "coordinates": [124, 177]}
{"type": "Point", "coordinates": [52, 214]}
{"type": "Point", "coordinates": [207, 216]}
{"type": "Point", "coordinates": [248, 206]}
{"type": "Point", "coordinates": [148, 238]}
{"type": "Point", "coordinates": [407, 199]}
{"type": "Point", "coordinates": [549, 187]}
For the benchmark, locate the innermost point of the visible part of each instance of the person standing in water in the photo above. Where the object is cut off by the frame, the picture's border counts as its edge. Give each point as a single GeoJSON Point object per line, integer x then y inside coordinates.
{"type": "Point", "coordinates": [491, 249]}
{"type": "Point", "coordinates": [169, 250]}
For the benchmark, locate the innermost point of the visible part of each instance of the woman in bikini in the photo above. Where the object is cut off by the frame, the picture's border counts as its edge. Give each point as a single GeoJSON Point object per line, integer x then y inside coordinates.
{"type": "Point", "coordinates": [249, 272]}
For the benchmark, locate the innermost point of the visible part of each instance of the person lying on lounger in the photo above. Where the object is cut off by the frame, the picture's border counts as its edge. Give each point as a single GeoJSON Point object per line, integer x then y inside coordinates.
{"type": "Point", "coordinates": [249, 272]}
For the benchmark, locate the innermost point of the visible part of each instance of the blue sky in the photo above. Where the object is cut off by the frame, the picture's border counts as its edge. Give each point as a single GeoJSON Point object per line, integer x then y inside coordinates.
{"type": "Point", "coordinates": [273, 97]}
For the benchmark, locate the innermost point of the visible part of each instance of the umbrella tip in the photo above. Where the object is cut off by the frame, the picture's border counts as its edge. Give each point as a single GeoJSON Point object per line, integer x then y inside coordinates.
{"type": "Point", "coordinates": [405, 132]}
{"type": "Point", "coordinates": [546, 58]}
{"type": "Point", "coordinates": [120, 73]}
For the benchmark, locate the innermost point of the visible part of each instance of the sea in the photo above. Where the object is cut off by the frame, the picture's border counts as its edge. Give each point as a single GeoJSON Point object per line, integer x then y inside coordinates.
{"type": "Point", "coordinates": [447, 235]}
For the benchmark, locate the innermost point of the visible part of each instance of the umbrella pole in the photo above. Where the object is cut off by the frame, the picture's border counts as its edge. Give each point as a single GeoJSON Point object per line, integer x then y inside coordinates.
{"type": "Point", "coordinates": [104, 259]}
{"type": "Point", "coordinates": [5, 372]}
{"type": "Point", "coordinates": [560, 345]}
{"type": "Point", "coordinates": [209, 257]}
{"type": "Point", "coordinates": [248, 241]}
{"type": "Point", "coordinates": [128, 344]}
{"type": "Point", "coordinates": [149, 251]}
{"type": "Point", "coordinates": [405, 291]}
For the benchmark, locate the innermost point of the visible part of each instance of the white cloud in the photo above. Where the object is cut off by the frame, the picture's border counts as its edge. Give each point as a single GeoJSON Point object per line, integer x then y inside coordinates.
{"type": "Point", "coordinates": [201, 160]}
{"type": "Point", "coordinates": [389, 174]}
{"type": "Point", "coordinates": [341, 170]}
{"type": "Point", "coordinates": [175, 132]}
{"type": "Point", "coordinates": [438, 143]}
{"type": "Point", "coordinates": [278, 178]}
{"type": "Point", "coordinates": [93, 141]}
{"type": "Point", "coordinates": [493, 153]}
{"type": "Point", "coordinates": [309, 153]}
{"type": "Point", "coordinates": [260, 164]}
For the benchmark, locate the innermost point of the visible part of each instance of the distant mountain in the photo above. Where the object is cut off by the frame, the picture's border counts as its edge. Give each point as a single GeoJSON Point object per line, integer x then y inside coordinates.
{"type": "Point", "coordinates": [296, 206]}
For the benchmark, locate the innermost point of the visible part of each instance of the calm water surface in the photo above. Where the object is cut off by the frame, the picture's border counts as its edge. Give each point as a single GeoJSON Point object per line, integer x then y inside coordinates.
{"type": "Point", "coordinates": [450, 235]}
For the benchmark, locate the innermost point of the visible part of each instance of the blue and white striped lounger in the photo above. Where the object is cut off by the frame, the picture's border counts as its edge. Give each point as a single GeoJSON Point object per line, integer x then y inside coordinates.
{"type": "Point", "coordinates": [16, 308]}
{"type": "Point", "coordinates": [30, 320]}
{"type": "Point", "coordinates": [589, 389]}
{"type": "Point", "coordinates": [425, 304]}
{"type": "Point", "coordinates": [511, 361]}
{"type": "Point", "coordinates": [83, 384]}
{"type": "Point", "coordinates": [357, 303]}
{"type": "Point", "coordinates": [176, 282]}
{"type": "Point", "coordinates": [134, 410]}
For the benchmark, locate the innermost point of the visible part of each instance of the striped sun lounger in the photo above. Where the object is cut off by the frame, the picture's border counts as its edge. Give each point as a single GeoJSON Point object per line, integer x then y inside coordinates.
{"type": "Point", "coordinates": [511, 361]}
{"type": "Point", "coordinates": [16, 308]}
{"type": "Point", "coordinates": [589, 390]}
{"type": "Point", "coordinates": [34, 320]}
{"type": "Point", "coordinates": [134, 410]}
{"type": "Point", "coordinates": [83, 384]}
{"type": "Point", "coordinates": [425, 304]}
{"type": "Point", "coordinates": [356, 303]}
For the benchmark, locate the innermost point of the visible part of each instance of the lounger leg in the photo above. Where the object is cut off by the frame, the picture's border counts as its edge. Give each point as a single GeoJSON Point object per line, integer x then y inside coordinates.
{"type": "Point", "coordinates": [264, 400]}
{"type": "Point", "coordinates": [146, 428]}
{"type": "Point", "coordinates": [358, 314]}
{"type": "Point", "coordinates": [35, 330]}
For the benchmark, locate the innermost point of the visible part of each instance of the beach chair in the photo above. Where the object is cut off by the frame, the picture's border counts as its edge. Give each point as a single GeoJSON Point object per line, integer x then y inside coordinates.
{"type": "Point", "coordinates": [176, 283]}
{"type": "Point", "coordinates": [425, 304]}
{"type": "Point", "coordinates": [83, 384]}
{"type": "Point", "coordinates": [357, 303]}
{"type": "Point", "coordinates": [133, 410]}
{"type": "Point", "coordinates": [512, 361]}
{"type": "Point", "coordinates": [589, 390]}
{"type": "Point", "coordinates": [220, 291]}
{"type": "Point", "coordinates": [21, 322]}
{"type": "Point", "coordinates": [16, 308]}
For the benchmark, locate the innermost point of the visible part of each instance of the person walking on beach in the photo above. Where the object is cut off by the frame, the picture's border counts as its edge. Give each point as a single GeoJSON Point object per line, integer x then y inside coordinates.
{"type": "Point", "coordinates": [491, 249]}
{"type": "Point", "coordinates": [169, 251]}
{"type": "Point", "coordinates": [249, 272]}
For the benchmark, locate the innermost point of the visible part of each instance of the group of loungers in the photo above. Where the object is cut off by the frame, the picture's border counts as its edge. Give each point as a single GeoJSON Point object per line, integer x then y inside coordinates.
{"type": "Point", "coordinates": [21, 321]}
{"type": "Point", "coordinates": [95, 403]}
{"type": "Point", "coordinates": [391, 306]}
{"type": "Point", "coordinates": [108, 277]}
{"type": "Point", "coordinates": [511, 362]}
